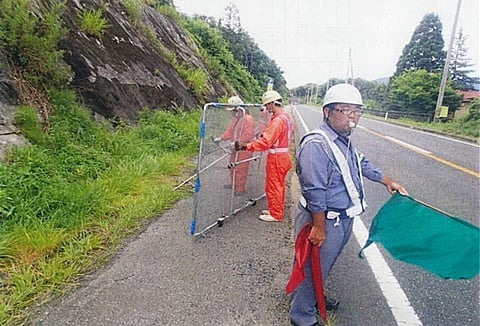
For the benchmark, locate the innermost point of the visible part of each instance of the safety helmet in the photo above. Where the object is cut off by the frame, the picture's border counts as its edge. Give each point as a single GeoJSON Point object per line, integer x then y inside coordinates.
{"type": "Point", "coordinates": [235, 100]}
{"type": "Point", "coordinates": [342, 93]}
{"type": "Point", "coordinates": [270, 96]}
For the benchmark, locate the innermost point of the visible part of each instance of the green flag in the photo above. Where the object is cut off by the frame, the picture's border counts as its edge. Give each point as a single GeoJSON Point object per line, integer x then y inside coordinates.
{"type": "Point", "coordinates": [418, 234]}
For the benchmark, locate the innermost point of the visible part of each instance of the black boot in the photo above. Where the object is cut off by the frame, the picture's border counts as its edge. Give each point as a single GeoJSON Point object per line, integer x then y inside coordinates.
{"type": "Point", "coordinates": [331, 304]}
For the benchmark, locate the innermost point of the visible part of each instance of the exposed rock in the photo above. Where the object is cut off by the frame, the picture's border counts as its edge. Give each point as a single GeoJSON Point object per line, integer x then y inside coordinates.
{"type": "Point", "coordinates": [124, 71]}
{"type": "Point", "coordinates": [9, 134]}
{"type": "Point", "coordinates": [121, 73]}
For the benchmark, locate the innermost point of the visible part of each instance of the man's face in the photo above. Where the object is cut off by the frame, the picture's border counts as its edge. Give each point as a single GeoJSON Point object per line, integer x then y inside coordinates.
{"type": "Point", "coordinates": [344, 117]}
{"type": "Point", "coordinates": [269, 107]}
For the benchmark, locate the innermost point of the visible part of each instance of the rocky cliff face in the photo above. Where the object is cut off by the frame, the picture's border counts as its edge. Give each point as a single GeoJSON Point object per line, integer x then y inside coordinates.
{"type": "Point", "coordinates": [124, 71]}
{"type": "Point", "coordinates": [9, 133]}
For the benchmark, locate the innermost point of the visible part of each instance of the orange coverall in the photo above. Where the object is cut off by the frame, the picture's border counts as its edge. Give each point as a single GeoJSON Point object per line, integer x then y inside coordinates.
{"type": "Point", "coordinates": [242, 128]}
{"type": "Point", "coordinates": [276, 139]}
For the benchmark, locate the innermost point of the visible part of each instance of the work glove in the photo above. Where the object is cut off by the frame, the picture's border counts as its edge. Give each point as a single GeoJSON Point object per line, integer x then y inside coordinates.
{"type": "Point", "coordinates": [240, 146]}
{"type": "Point", "coordinates": [217, 140]}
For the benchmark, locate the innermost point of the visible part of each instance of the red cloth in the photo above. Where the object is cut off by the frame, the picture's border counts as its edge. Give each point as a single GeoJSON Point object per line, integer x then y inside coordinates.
{"type": "Point", "coordinates": [303, 250]}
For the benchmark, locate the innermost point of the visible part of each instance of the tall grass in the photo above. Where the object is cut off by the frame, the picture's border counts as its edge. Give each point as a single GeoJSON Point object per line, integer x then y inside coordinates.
{"type": "Point", "coordinates": [66, 203]}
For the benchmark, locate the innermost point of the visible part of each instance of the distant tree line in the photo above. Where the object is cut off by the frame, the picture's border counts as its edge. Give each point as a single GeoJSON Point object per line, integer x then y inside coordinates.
{"type": "Point", "coordinates": [415, 85]}
{"type": "Point", "coordinates": [233, 53]}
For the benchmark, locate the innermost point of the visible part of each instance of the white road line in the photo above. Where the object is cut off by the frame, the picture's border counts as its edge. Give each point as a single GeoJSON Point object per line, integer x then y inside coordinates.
{"type": "Point", "coordinates": [397, 300]}
{"type": "Point", "coordinates": [402, 143]}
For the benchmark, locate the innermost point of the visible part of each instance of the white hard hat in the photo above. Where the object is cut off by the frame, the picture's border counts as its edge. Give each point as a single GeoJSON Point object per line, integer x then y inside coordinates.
{"type": "Point", "coordinates": [342, 93]}
{"type": "Point", "coordinates": [270, 96]}
{"type": "Point", "coordinates": [235, 100]}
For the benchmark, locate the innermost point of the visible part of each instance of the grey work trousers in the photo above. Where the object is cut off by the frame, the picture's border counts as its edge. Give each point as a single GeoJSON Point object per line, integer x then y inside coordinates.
{"type": "Point", "coordinates": [303, 310]}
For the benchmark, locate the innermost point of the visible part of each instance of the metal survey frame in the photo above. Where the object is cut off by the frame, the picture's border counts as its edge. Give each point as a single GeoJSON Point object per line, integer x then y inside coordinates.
{"type": "Point", "coordinates": [250, 202]}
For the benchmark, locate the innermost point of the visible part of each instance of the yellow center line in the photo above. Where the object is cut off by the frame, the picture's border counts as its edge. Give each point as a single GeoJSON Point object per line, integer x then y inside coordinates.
{"type": "Point", "coordinates": [425, 153]}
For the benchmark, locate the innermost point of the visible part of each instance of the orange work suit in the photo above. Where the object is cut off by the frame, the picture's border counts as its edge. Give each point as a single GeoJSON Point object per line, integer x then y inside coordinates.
{"type": "Point", "coordinates": [241, 128]}
{"type": "Point", "coordinates": [276, 140]}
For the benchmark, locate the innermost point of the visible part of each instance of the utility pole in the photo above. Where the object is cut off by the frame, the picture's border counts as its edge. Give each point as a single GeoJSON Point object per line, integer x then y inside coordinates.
{"type": "Point", "coordinates": [350, 67]}
{"type": "Point", "coordinates": [447, 61]}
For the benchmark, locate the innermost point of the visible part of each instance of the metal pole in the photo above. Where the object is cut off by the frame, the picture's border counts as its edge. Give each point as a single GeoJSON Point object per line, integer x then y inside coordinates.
{"type": "Point", "coordinates": [447, 61]}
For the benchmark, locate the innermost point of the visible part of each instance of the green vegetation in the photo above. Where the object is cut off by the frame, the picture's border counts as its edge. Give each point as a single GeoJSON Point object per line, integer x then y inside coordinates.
{"type": "Point", "coordinates": [79, 188]}
{"type": "Point", "coordinates": [425, 49]}
{"type": "Point", "coordinates": [220, 59]}
{"type": "Point", "coordinates": [468, 125]}
{"type": "Point", "coordinates": [471, 129]}
{"type": "Point", "coordinates": [92, 22]}
{"type": "Point", "coordinates": [196, 79]}
{"type": "Point", "coordinates": [27, 118]}
{"type": "Point", "coordinates": [133, 8]}
{"type": "Point", "coordinates": [68, 203]}
{"type": "Point", "coordinates": [29, 36]}
{"type": "Point", "coordinates": [416, 91]}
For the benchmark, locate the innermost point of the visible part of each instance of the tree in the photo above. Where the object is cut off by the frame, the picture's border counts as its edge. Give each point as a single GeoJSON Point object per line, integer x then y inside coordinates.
{"type": "Point", "coordinates": [232, 18]}
{"type": "Point", "coordinates": [417, 91]}
{"type": "Point", "coordinates": [247, 52]}
{"type": "Point", "coordinates": [459, 64]}
{"type": "Point", "coordinates": [425, 49]}
{"type": "Point", "coordinates": [376, 97]}
{"type": "Point", "coordinates": [221, 61]}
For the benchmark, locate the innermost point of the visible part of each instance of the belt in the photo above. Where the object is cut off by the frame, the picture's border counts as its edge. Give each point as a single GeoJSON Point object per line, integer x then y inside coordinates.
{"type": "Point", "coordinates": [278, 150]}
{"type": "Point", "coordinates": [332, 214]}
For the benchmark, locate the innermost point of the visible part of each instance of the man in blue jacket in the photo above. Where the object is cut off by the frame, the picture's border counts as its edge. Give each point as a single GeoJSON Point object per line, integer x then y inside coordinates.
{"type": "Point", "coordinates": [330, 172]}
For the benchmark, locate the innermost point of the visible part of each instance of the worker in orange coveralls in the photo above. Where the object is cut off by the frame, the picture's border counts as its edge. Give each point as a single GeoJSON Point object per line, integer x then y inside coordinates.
{"type": "Point", "coordinates": [276, 140]}
{"type": "Point", "coordinates": [241, 128]}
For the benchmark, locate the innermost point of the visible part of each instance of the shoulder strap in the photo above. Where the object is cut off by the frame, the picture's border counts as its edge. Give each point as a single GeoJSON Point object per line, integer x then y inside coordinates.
{"type": "Point", "coordinates": [342, 164]}
{"type": "Point", "coordinates": [310, 137]}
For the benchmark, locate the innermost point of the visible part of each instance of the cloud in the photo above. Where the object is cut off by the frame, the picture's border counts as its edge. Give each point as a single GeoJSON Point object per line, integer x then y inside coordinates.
{"type": "Point", "coordinates": [311, 40]}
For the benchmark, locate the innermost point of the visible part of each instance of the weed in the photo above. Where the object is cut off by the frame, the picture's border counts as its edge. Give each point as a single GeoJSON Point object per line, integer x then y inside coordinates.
{"type": "Point", "coordinates": [92, 22]}
{"type": "Point", "coordinates": [27, 119]}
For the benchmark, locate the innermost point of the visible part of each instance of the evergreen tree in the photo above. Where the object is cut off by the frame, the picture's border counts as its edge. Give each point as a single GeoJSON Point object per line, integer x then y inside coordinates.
{"type": "Point", "coordinates": [459, 64]}
{"type": "Point", "coordinates": [232, 18]}
{"type": "Point", "coordinates": [425, 49]}
{"type": "Point", "coordinates": [246, 51]}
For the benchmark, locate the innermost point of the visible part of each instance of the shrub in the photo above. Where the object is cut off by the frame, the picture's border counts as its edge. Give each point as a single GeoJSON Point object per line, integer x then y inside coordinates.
{"type": "Point", "coordinates": [29, 35]}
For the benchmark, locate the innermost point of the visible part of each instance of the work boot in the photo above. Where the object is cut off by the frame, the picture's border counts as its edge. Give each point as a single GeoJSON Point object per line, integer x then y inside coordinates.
{"type": "Point", "coordinates": [265, 212]}
{"type": "Point", "coordinates": [268, 218]}
{"type": "Point", "coordinates": [331, 304]}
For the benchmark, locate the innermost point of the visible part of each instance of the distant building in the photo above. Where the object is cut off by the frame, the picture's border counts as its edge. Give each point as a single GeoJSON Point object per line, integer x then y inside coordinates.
{"type": "Point", "coordinates": [468, 97]}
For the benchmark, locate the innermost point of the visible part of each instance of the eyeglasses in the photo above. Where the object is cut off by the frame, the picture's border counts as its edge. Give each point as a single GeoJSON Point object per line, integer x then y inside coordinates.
{"type": "Point", "coordinates": [356, 112]}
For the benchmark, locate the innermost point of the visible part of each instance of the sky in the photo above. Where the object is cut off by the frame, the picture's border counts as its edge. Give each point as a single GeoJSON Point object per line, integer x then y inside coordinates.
{"type": "Point", "coordinates": [314, 40]}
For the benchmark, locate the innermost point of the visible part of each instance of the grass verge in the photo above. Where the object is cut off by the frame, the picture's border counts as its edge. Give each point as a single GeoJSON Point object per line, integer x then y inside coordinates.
{"type": "Point", "coordinates": [68, 202]}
